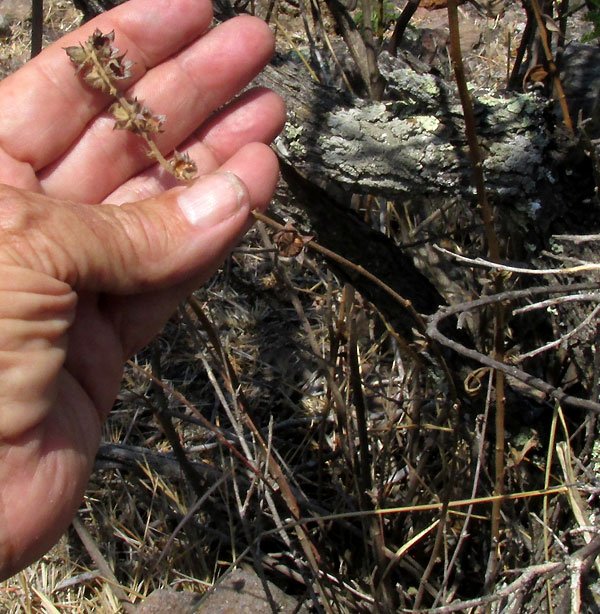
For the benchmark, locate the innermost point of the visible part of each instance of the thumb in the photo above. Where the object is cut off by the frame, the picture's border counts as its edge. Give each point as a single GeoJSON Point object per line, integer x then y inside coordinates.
{"type": "Point", "coordinates": [125, 249]}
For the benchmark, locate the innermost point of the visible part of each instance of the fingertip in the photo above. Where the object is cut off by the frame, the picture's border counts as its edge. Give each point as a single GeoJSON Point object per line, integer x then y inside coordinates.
{"type": "Point", "coordinates": [275, 105]}
{"type": "Point", "coordinates": [256, 165]}
{"type": "Point", "coordinates": [257, 115]}
{"type": "Point", "coordinates": [257, 27]}
{"type": "Point", "coordinates": [213, 199]}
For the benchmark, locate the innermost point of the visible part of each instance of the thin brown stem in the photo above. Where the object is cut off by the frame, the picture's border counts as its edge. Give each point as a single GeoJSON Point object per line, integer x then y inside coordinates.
{"type": "Point", "coordinates": [471, 134]}
{"type": "Point", "coordinates": [510, 370]}
{"type": "Point", "coordinates": [494, 254]}
{"type": "Point", "coordinates": [406, 304]}
{"type": "Point", "coordinates": [558, 88]}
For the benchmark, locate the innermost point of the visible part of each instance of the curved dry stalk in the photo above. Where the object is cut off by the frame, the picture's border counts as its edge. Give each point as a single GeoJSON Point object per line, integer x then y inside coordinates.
{"type": "Point", "coordinates": [493, 246]}
{"type": "Point", "coordinates": [561, 300]}
{"type": "Point", "coordinates": [496, 266]}
{"type": "Point", "coordinates": [558, 342]}
{"type": "Point", "coordinates": [511, 370]}
{"type": "Point", "coordinates": [417, 318]}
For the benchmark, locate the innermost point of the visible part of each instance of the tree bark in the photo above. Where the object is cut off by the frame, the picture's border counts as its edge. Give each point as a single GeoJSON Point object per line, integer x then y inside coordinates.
{"type": "Point", "coordinates": [413, 144]}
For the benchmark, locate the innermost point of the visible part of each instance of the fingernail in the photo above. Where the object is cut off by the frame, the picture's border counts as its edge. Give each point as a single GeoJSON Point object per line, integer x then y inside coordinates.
{"type": "Point", "coordinates": [213, 199]}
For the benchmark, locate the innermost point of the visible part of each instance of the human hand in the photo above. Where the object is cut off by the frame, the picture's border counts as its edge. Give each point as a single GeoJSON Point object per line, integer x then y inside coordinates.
{"type": "Point", "coordinates": [84, 284]}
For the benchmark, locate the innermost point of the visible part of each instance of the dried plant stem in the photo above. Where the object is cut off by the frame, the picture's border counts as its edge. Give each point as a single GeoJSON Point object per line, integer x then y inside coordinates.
{"type": "Point", "coordinates": [526, 36]}
{"type": "Point", "coordinates": [37, 26]}
{"type": "Point", "coordinates": [396, 556]}
{"type": "Point", "coordinates": [464, 532]}
{"type": "Point", "coordinates": [151, 144]}
{"type": "Point", "coordinates": [271, 465]}
{"type": "Point", "coordinates": [103, 567]}
{"type": "Point", "coordinates": [196, 481]}
{"type": "Point", "coordinates": [558, 88]}
{"type": "Point", "coordinates": [510, 370]}
{"type": "Point", "coordinates": [327, 369]}
{"type": "Point", "coordinates": [358, 396]}
{"type": "Point", "coordinates": [205, 422]}
{"type": "Point", "coordinates": [376, 83]}
{"type": "Point", "coordinates": [482, 262]}
{"type": "Point", "coordinates": [441, 529]}
{"type": "Point", "coordinates": [471, 133]}
{"type": "Point", "coordinates": [428, 507]}
{"type": "Point", "coordinates": [101, 66]}
{"type": "Point", "coordinates": [202, 498]}
{"type": "Point", "coordinates": [401, 24]}
{"type": "Point", "coordinates": [547, 475]}
{"type": "Point", "coordinates": [418, 319]}
{"type": "Point", "coordinates": [383, 587]}
{"type": "Point", "coordinates": [437, 545]}
{"type": "Point", "coordinates": [293, 45]}
{"type": "Point", "coordinates": [527, 577]}
{"type": "Point", "coordinates": [494, 254]}
{"type": "Point", "coordinates": [499, 439]}
{"type": "Point", "coordinates": [578, 506]}
{"type": "Point", "coordinates": [363, 55]}
{"type": "Point", "coordinates": [562, 339]}
{"type": "Point", "coordinates": [130, 110]}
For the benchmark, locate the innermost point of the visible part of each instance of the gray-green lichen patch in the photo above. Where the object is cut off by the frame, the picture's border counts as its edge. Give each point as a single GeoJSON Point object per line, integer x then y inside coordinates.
{"type": "Point", "coordinates": [290, 142]}
{"type": "Point", "coordinates": [517, 157]}
{"type": "Point", "coordinates": [428, 123]}
{"type": "Point", "coordinates": [519, 113]}
{"type": "Point", "coordinates": [293, 131]}
{"type": "Point", "coordinates": [412, 90]}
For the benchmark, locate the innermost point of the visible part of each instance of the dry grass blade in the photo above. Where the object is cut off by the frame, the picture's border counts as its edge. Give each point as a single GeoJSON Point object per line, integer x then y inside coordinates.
{"type": "Point", "coordinates": [103, 566]}
{"type": "Point", "coordinates": [578, 506]}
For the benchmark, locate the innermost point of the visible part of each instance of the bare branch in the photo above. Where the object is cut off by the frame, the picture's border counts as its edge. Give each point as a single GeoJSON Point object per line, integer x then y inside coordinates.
{"type": "Point", "coordinates": [557, 393]}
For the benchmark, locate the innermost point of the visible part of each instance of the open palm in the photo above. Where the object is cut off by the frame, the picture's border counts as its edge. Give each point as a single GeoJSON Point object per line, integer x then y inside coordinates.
{"type": "Point", "coordinates": [83, 283]}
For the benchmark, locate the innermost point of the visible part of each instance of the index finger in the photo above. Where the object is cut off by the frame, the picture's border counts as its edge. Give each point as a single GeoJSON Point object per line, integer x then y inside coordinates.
{"type": "Point", "coordinates": [44, 106]}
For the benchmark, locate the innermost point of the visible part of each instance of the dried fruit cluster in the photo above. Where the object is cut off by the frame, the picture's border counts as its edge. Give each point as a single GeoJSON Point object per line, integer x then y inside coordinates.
{"type": "Point", "coordinates": [99, 62]}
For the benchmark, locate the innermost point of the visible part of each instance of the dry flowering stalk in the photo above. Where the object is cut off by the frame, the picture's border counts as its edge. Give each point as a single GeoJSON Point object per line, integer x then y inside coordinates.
{"type": "Point", "coordinates": [102, 67]}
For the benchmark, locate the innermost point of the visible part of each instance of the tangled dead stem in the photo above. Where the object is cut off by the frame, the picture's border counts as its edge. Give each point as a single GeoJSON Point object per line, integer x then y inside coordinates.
{"type": "Point", "coordinates": [281, 419]}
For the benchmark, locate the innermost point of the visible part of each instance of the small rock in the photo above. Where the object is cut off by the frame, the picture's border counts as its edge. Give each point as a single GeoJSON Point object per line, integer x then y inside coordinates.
{"type": "Point", "coordinates": [15, 9]}
{"type": "Point", "coordinates": [170, 602]}
{"type": "Point", "coordinates": [11, 11]}
{"type": "Point", "coordinates": [241, 592]}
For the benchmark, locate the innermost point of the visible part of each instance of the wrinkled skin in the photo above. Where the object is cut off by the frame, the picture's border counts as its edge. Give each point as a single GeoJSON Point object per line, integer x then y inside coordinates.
{"type": "Point", "coordinates": [85, 283]}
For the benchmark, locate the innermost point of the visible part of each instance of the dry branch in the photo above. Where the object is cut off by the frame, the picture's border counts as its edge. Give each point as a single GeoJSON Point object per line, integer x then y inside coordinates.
{"type": "Point", "coordinates": [413, 144]}
{"type": "Point", "coordinates": [518, 374]}
{"type": "Point", "coordinates": [584, 556]}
